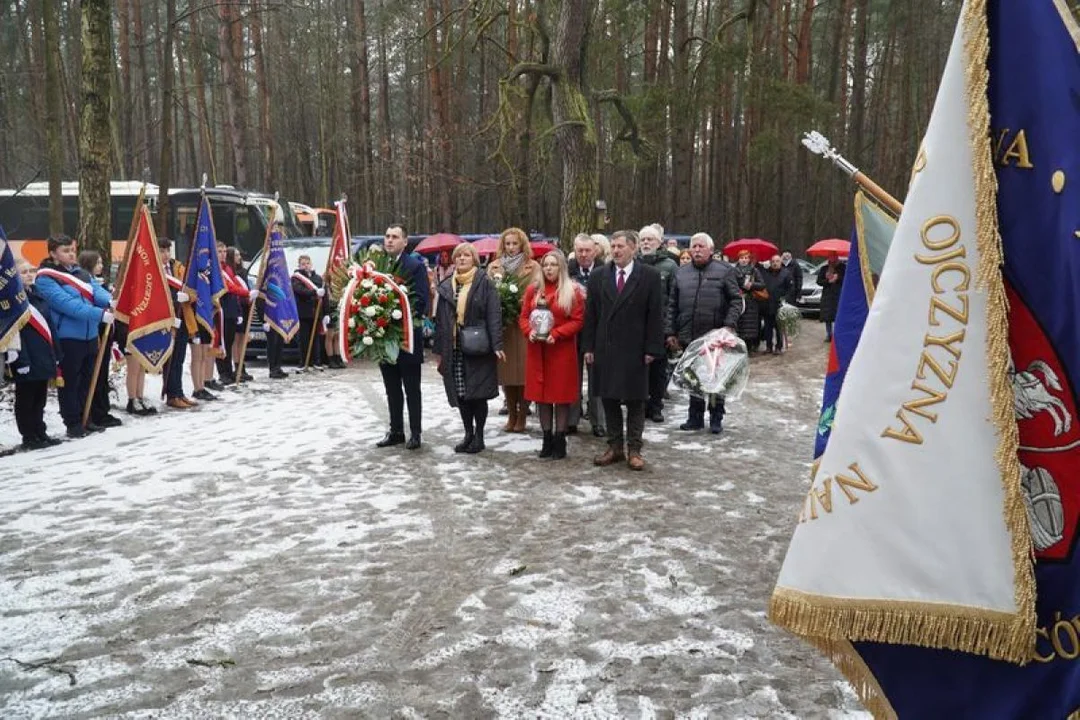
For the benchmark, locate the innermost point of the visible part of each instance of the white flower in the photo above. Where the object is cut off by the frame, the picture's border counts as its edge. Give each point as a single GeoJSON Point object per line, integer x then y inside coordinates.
{"type": "Point", "coordinates": [367, 340]}
{"type": "Point", "coordinates": [366, 283]}
{"type": "Point", "coordinates": [396, 314]}
{"type": "Point", "coordinates": [380, 332]}
{"type": "Point", "coordinates": [352, 322]}
{"type": "Point", "coordinates": [370, 311]}
{"type": "Point", "coordinates": [513, 288]}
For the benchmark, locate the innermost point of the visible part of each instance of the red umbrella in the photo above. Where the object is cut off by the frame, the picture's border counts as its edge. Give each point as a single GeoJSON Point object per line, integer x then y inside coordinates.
{"type": "Point", "coordinates": [486, 246]}
{"type": "Point", "coordinates": [435, 244]}
{"type": "Point", "coordinates": [825, 248]}
{"type": "Point", "coordinates": [760, 249]}
{"type": "Point", "coordinates": [541, 248]}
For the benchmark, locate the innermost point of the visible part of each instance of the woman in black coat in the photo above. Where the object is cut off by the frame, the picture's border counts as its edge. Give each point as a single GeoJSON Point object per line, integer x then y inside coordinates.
{"type": "Point", "coordinates": [749, 278]}
{"type": "Point", "coordinates": [468, 299]}
{"type": "Point", "coordinates": [34, 367]}
{"type": "Point", "coordinates": [830, 277]}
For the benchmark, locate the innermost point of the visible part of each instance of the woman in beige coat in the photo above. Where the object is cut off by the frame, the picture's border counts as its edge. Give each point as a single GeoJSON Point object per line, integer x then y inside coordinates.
{"type": "Point", "coordinates": [513, 259]}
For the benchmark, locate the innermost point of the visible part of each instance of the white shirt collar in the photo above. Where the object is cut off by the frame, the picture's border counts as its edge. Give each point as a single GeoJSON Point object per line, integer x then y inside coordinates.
{"type": "Point", "coordinates": [626, 270]}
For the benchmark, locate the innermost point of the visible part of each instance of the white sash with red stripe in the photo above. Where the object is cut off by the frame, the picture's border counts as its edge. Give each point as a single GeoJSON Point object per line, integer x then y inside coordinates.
{"type": "Point", "coordinates": [39, 323]}
{"type": "Point", "coordinates": [233, 284]}
{"type": "Point", "coordinates": [174, 283]}
{"type": "Point", "coordinates": [306, 281]}
{"type": "Point", "coordinates": [82, 286]}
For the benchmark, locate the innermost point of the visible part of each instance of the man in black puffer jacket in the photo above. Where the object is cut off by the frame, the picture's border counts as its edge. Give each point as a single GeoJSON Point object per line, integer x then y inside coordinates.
{"type": "Point", "coordinates": [650, 239]}
{"type": "Point", "coordinates": [704, 296]}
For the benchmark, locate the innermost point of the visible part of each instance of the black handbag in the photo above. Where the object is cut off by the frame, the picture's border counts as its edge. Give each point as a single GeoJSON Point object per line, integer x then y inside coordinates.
{"type": "Point", "coordinates": [474, 340]}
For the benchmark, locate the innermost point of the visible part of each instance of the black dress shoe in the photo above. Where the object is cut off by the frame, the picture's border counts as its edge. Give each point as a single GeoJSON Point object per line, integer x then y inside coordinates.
{"type": "Point", "coordinates": [414, 443]}
{"type": "Point", "coordinates": [477, 444]}
{"type": "Point", "coordinates": [214, 385]}
{"type": "Point", "coordinates": [203, 394]}
{"type": "Point", "coordinates": [598, 432]}
{"type": "Point", "coordinates": [656, 416]}
{"type": "Point", "coordinates": [77, 431]}
{"type": "Point", "coordinates": [278, 374]}
{"type": "Point", "coordinates": [461, 446]}
{"type": "Point", "coordinates": [49, 440]}
{"type": "Point", "coordinates": [94, 428]}
{"type": "Point", "coordinates": [33, 444]}
{"type": "Point", "coordinates": [246, 376]}
{"type": "Point", "coordinates": [392, 438]}
{"type": "Point", "coordinates": [108, 421]}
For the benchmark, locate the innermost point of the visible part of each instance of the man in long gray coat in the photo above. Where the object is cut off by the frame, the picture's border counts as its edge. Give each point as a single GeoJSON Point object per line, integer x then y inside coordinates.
{"type": "Point", "coordinates": [623, 335]}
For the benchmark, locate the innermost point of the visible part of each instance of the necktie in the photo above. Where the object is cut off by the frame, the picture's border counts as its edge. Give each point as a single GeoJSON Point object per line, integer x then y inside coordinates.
{"type": "Point", "coordinates": [585, 273]}
{"type": "Point", "coordinates": [621, 281]}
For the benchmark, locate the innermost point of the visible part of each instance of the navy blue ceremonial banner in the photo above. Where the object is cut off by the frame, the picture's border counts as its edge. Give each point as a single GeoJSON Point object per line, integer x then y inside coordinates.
{"type": "Point", "coordinates": [14, 306]}
{"type": "Point", "coordinates": [203, 281]}
{"type": "Point", "coordinates": [279, 309]}
{"type": "Point", "coordinates": [1034, 95]}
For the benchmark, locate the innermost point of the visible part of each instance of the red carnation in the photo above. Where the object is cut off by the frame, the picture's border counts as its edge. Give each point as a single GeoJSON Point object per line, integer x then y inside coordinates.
{"type": "Point", "coordinates": [365, 300]}
{"type": "Point", "coordinates": [381, 322]}
{"type": "Point", "coordinates": [379, 280]}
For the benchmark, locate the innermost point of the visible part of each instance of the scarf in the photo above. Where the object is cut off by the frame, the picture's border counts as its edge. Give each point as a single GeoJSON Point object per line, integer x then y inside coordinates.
{"type": "Point", "coordinates": [462, 283]}
{"type": "Point", "coordinates": [512, 263]}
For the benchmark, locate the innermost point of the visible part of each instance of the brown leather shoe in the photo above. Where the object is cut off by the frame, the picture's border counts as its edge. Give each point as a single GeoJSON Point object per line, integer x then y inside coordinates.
{"type": "Point", "coordinates": [177, 403]}
{"type": "Point", "coordinates": [522, 414]}
{"type": "Point", "coordinates": [635, 461]}
{"type": "Point", "coordinates": [610, 457]}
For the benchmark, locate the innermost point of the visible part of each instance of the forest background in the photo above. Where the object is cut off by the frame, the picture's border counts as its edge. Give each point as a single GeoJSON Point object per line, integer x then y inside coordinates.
{"type": "Point", "coordinates": [473, 115]}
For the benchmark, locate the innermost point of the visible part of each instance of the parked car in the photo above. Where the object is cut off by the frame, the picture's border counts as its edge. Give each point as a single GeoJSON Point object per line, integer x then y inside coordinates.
{"type": "Point", "coordinates": [318, 248]}
{"type": "Point", "coordinates": [809, 300]}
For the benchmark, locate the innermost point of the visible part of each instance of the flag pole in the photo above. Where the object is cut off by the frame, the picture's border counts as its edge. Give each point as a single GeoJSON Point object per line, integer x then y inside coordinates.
{"type": "Point", "coordinates": [326, 284]}
{"type": "Point", "coordinates": [122, 273]}
{"type": "Point", "coordinates": [818, 144]}
{"type": "Point", "coordinates": [251, 310]}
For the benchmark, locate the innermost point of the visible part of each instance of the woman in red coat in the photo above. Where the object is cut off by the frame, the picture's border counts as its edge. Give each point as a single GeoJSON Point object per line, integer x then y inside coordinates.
{"type": "Point", "coordinates": [551, 372]}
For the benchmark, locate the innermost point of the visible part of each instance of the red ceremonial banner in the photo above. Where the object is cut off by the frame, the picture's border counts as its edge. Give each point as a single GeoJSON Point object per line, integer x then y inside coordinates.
{"type": "Point", "coordinates": [144, 301]}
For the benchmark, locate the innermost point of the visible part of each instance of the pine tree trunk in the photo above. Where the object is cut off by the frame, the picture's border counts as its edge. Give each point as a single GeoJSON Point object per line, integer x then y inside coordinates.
{"type": "Point", "coordinates": [267, 170]}
{"type": "Point", "coordinates": [361, 99]}
{"type": "Point", "coordinates": [123, 102]}
{"type": "Point", "coordinates": [53, 122]}
{"type": "Point", "coordinates": [388, 199]}
{"type": "Point", "coordinates": [94, 171]}
{"type": "Point", "coordinates": [145, 122]}
{"type": "Point", "coordinates": [206, 139]}
{"type": "Point", "coordinates": [230, 42]}
{"type": "Point", "coordinates": [165, 167]}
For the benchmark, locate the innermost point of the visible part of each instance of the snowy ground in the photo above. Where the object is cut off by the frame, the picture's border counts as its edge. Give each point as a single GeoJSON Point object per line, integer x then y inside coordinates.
{"type": "Point", "coordinates": [258, 557]}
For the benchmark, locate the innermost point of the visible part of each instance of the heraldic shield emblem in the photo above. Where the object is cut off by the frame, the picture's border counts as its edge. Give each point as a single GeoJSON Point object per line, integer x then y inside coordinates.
{"type": "Point", "coordinates": [1049, 436]}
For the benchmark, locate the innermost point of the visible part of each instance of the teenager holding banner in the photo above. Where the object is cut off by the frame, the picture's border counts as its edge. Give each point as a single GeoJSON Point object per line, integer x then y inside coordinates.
{"type": "Point", "coordinates": [33, 368]}
{"type": "Point", "coordinates": [77, 306]}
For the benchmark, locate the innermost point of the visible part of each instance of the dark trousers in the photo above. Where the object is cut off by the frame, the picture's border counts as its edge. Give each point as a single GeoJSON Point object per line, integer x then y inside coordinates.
{"type": "Point", "coordinates": [76, 365]}
{"type": "Point", "coordinates": [174, 377]}
{"type": "Point", "coordinates": [595, 407]}
{"type": "Point", "coordinates": [275, 346]}
{"type": "Point", "coordinates": [225, 364]}
{"type": "Point", "coordinates": [307, 327]}
{"type": "Point", "coordinates": [100, 405]}
{"type": "Point", "coordinates": [30, 400]}
{"type": "Point", "coordinates": [658, 379]}
{"type": "Point", "coordinates": [402, 382]}
{"type": "Point", "coordinates": [697, 409]}
{"type": "Point", "coordinates": [771, 330]}
{"type": "Point", "coordinates": [635, 424]}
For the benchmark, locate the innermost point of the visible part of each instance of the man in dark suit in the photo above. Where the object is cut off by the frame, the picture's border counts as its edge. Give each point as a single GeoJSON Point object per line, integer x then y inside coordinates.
{"type": "Point", "coordinates": [581, 266]}
{"type": "Point", "coordinates": [623, 335]}
{"type": "Point", "coordinates": [404, 374]}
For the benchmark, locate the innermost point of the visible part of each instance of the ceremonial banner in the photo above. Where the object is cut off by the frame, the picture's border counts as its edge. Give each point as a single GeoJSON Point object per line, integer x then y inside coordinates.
{"type": "Point", "coordinates": [203, 281]}
{"type": "Point", "coordinates": [14, 305]}
{"type": "Point", "coordinates": [279, 309]}
{"type": "Point", "coordinates": [339, 245]}
{"type": "Point", "coordinates": [143, 300]}
{"type": "Point", "coordinates": [870, 242]}
{"type": "Point", "coordinates": [915, 531]}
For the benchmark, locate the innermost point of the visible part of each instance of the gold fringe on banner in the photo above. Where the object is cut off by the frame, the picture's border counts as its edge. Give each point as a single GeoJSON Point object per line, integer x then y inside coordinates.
{"type": "Point", "coordinates": [998, 355]}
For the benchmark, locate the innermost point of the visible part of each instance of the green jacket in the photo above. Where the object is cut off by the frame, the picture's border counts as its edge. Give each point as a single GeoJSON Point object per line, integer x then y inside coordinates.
{"type": "Point", "coordinates": [665, 265]}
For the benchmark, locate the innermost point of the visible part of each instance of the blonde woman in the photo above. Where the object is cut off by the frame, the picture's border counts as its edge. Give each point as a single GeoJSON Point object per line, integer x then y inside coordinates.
{"type": "Point", "coordinates": [603, 248]}
{"type": "Point", "coordinates": [551, 375]}
{"type": "Point", "coordinates": [468, 299]}
{"type": "Point", "coordinates": [513, 259]}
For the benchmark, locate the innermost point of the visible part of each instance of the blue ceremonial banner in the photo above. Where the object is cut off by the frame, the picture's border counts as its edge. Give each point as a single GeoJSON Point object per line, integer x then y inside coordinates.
{"type": "Point", "coordinates": [14, 305]}
{"type": "Point", "coordinates": [1034, 96]}
{"type": "Point", "coordinates": [279, 307]}
{"type": "Point", "coordinates": [870, 241]}
{"type": "Point", "coordinates": [203, 281]}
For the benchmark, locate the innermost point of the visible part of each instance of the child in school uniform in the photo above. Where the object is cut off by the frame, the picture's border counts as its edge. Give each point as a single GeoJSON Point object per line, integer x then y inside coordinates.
{"type": "Point", "coordinates": [34, 367]}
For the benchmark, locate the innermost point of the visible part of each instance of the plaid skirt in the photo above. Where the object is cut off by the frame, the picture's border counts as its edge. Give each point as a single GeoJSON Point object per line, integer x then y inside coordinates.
{"type": "Point", "coordinates": [457, 367]}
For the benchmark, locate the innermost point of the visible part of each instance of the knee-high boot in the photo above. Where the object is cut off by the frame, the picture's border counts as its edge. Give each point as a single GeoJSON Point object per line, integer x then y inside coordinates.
{"type": "Point", "coordinates": [522, 410]}
{"type": "Point", "coordinates": [512, 407]}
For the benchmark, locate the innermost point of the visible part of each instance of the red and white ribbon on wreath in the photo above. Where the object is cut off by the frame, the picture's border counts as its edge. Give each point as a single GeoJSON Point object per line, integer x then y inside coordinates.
{"type": "Point", "coordinates": [357, 274]}
{"type": "Point", "coordinates": [713, 351]}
